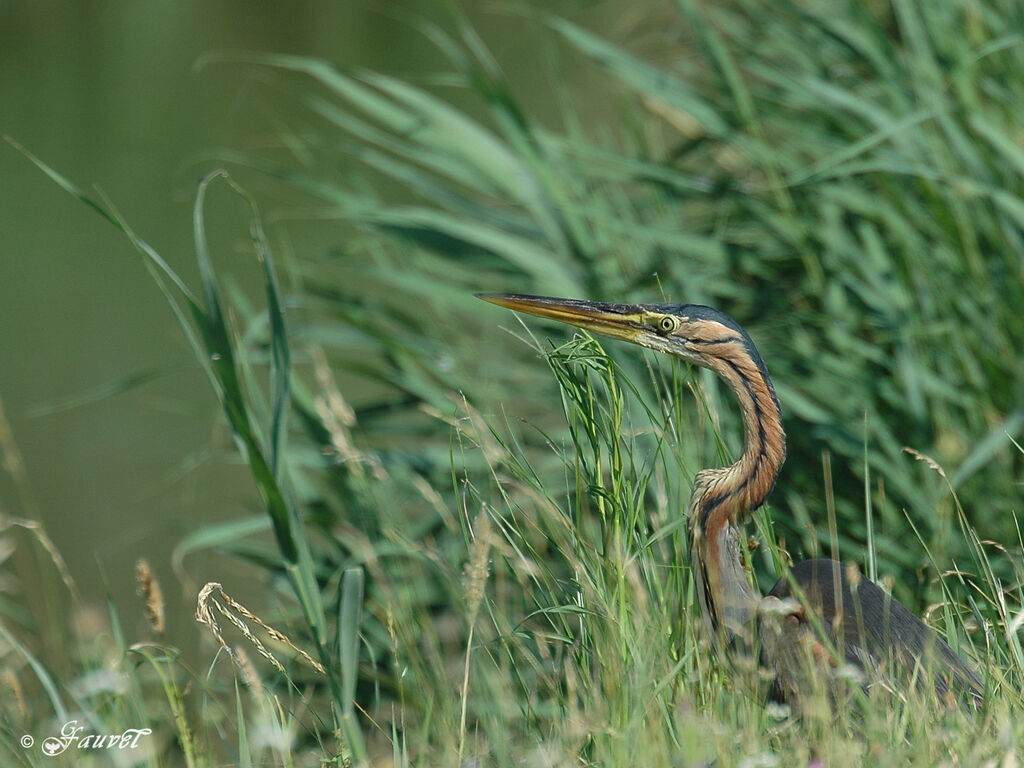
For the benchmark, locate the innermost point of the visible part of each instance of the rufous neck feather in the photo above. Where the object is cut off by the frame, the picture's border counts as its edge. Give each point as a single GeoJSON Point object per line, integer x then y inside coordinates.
{"type": "Point", "coordinates": [722, 498]}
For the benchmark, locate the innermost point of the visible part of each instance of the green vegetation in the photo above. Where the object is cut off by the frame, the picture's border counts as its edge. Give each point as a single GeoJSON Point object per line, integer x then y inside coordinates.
{"type": "Point", "coordinates": [487, 553]}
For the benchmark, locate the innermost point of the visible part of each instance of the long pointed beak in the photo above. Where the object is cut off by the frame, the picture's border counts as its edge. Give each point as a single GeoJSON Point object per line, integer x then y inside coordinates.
{"type": "Point", "coordinates": [623, 321]}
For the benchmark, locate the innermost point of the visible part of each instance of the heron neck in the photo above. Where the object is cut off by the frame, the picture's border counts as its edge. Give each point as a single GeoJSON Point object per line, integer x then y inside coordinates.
{"type": "Point", "coordinates": [723, 498]}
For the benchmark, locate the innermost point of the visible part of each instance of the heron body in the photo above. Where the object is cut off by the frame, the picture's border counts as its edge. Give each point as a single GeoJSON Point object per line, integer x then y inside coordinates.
{"type": "Point", "coordinates": [822, 613]}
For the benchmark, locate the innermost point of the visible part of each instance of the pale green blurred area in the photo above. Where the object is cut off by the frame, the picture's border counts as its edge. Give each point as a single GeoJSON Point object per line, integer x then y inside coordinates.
{"type": "Point", "coordinates": [107, 94]}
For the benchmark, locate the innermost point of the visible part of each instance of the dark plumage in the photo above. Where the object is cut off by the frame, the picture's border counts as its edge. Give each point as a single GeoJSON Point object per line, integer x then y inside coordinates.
{"type": "Point", "coordinates": [877, 633]}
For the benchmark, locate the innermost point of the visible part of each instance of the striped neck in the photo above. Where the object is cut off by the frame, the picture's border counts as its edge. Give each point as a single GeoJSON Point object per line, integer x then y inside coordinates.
{"type": "Point", "coordinates": [722, 498]}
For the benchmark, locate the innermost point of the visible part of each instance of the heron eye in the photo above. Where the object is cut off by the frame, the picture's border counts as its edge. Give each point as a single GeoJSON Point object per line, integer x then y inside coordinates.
{"type": "Point", "coordinates": [668, 324]}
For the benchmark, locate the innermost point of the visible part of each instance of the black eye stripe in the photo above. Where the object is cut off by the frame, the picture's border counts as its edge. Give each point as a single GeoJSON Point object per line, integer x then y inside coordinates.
{"type": "Point", "coordinates": [712, 342]}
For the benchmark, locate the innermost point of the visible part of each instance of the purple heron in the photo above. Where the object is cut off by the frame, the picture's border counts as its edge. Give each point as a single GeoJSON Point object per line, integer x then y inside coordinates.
{"type": "Point", "coordinates": [821, 614]}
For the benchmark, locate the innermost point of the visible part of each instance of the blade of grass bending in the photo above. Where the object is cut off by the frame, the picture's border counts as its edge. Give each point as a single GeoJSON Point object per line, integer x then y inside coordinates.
{"type": "Point", "coordinates": [213, 535]}
{"type": "Point", "coordinates": [41, 674]}
{"type": "Point", "coordinates": [108, 214]}
{"type": "Point", "coordinates": [349, 618]}
{"type": "Point", "coordinates": [97, 394]}
{"type": "Point", "coordinates": [219, 347]}
{"type": "Point", "coordinates": [280, 354]}
{"type": "Point", "coordinates": [155, 265]}
{"type": "Point", "coordinates": [528, 255]}
{"type": "Point", "coordinates": [460, 135]}
{"type": "Point", "coordinates": [644, 77]}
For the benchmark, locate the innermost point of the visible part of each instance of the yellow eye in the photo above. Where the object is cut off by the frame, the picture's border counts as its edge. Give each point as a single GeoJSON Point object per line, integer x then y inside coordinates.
{"type": "Point", "coordinates": [668, 324]}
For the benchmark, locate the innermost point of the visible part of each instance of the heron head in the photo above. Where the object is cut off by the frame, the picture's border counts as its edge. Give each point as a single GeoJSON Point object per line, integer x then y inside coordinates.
{"type": "Point", "coordinates": [701, 335]}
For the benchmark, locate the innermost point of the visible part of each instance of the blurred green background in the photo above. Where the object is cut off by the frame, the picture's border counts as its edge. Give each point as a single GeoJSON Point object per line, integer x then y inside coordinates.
{"type": "Point", "coordinates": [109, 95]}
